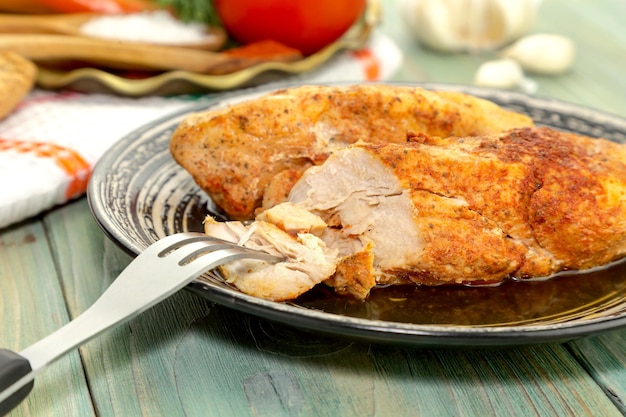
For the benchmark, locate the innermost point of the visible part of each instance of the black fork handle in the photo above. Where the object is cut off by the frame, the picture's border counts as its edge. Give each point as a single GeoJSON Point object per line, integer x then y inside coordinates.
{"type": "Point", "coordinates": [12, 368]}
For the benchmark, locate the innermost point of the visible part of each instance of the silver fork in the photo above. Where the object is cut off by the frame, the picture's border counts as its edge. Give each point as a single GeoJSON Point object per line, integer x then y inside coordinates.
{"type": "Point", "coordinates": [162, 269]}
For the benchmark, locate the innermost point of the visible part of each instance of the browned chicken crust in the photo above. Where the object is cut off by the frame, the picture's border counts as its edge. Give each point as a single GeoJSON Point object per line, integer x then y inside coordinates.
{"type": "Point", "coordinates": [250, 154]}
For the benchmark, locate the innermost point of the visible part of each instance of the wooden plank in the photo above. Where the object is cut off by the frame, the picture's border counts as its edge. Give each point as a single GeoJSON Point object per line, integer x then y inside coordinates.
{"type": "Point", "coordinates": [543, 380]}
{"type": "Point", "coordinates": [604, 357]}
{"type": "Point", "coordinates": [187, 356]}
{"type": "Point", "coordinates": [31, 307]}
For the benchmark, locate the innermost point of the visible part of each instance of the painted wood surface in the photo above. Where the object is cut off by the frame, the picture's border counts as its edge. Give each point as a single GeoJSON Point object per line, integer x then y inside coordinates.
{"type": "Point", "coordinates": [188, 357]}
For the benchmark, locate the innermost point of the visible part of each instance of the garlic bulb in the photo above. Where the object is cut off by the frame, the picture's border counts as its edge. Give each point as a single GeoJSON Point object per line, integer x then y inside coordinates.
{"type": "Point", "coordinates": [543, 53]}
{"type": "Point", "coordinates": [468, 25]}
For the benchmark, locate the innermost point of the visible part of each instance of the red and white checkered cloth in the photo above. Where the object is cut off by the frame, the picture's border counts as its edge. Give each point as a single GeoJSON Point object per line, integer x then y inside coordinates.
{"type": "Point", "coordinates": [51, 141]}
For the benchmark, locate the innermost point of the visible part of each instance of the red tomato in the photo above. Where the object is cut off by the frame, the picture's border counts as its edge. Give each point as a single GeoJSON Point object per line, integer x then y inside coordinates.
{"type": "Point", "coordinates": [307, 25]}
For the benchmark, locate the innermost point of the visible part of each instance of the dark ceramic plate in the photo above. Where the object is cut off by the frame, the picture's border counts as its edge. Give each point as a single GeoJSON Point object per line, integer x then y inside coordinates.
{"type": "Point", "coordinates": [138, 194]}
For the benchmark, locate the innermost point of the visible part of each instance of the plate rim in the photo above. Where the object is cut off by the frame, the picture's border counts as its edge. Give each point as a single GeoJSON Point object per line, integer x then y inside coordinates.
{"type": "Point", "coordinates": [361, 329]}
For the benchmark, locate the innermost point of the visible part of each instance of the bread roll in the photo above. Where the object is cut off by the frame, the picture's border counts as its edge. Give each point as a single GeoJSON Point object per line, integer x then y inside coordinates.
{"type": "Point", "coordinates": [17, 76]}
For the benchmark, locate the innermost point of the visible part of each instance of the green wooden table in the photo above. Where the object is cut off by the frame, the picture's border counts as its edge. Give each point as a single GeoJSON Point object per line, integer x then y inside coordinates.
{"type": "Point", "coordinates": [188, 357]}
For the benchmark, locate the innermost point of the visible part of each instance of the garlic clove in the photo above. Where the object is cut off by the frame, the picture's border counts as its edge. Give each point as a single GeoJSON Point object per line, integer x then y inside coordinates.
{"type": "Point", "coordinates": [543, 53]}
{"type": "Point", "coordinates": [505, 74]}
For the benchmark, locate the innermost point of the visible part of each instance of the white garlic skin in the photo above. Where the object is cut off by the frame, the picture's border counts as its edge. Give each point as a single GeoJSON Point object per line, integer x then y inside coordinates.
{"type": "Point", "coordinates": [468, 25]}
{"type": "Point", "coordinates": [543, 53]}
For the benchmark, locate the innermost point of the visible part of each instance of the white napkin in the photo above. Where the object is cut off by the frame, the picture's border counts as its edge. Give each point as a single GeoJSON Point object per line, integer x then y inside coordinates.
{"type": "Point", "coordinates": [51, 141]}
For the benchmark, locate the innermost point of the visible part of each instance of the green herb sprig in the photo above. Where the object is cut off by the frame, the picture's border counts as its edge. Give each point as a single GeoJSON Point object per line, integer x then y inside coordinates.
{"type": "Point", "coordinates": [201, 11]}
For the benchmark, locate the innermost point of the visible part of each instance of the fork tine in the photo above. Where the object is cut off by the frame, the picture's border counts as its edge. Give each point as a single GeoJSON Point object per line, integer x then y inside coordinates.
{"type": "Point", "coordinates": [196, 237]}
{"type": "Point", "coordinates": [209, 251]}
{"type": "Point", "coordinates": [171, 242]}
{"type": "Point", "coordinates": [202, 252]}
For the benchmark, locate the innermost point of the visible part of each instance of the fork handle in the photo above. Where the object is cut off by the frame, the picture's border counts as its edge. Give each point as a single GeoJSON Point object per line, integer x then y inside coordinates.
{"type": "Point", "coordinates": [13, 367]}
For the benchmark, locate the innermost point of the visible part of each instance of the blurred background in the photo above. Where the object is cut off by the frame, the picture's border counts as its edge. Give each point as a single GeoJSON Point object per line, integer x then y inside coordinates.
{"type": "Point", "coordinates": [535, 46]}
